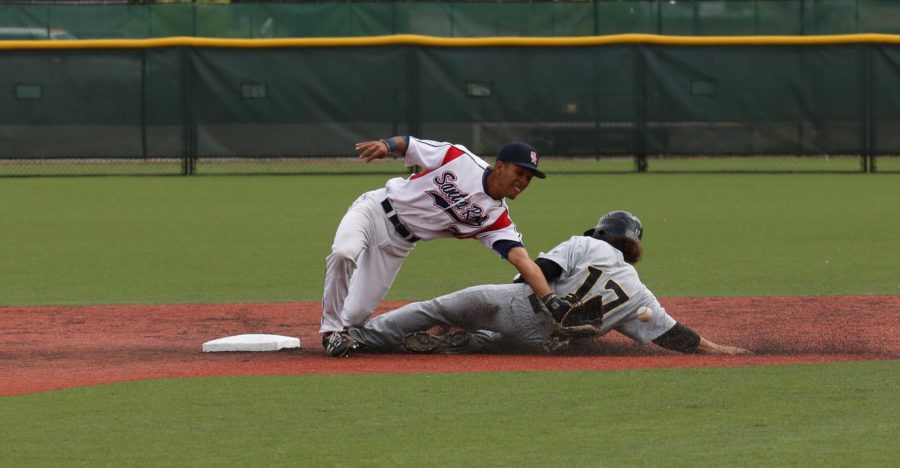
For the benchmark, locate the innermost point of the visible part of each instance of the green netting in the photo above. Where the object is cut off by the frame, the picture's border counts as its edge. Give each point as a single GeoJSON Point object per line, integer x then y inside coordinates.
{"type": "Point", "coordinates": [85, 20]}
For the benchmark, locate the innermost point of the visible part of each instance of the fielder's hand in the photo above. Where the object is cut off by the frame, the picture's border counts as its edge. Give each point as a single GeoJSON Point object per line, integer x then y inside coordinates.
{"type": "Point", "coordinates": [372, 150]}
{"type": "Point", "coordinates": [557, 307]}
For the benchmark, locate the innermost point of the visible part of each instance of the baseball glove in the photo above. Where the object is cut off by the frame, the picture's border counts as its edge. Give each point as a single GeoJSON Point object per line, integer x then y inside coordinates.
{"type": "Point", "coordinates": [582, 321]}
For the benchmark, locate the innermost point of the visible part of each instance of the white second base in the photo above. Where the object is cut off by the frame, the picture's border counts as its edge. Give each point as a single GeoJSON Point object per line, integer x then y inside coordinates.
{"type": "Point", "coordinates": [251, 342]}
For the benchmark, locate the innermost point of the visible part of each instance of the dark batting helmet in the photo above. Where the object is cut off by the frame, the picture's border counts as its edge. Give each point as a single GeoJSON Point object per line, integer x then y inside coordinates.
{"type": "Point", "coordinates": [617, 223]}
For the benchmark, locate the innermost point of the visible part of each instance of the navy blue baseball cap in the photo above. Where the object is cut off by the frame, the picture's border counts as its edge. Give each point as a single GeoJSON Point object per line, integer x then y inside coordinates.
{"type": "Point", "coordinates": [521, 155]}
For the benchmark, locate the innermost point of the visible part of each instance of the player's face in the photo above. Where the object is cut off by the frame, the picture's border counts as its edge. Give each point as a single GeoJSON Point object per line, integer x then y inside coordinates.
{"type": "Point", "coordinates": [513, 179]}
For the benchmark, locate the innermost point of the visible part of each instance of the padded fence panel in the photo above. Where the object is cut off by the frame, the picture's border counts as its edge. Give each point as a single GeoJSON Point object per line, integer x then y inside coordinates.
{"type": "Point", "coordinates": [743, 100]}
{"type": "Point", "coordinates": [166, 106]}
{"type": "Point", "coordinates": [564, 101]}
{"type": "Point", "coordinates": [296, 101]}
{"type": "Point", "coordinates": [56, 102]}
{"type": "Point", "coordinates": [885, 109]}
{"type": "Point", "coordinates": [625, 103]}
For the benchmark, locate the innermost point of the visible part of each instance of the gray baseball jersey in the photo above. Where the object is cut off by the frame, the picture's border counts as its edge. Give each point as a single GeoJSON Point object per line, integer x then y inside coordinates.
{"type": "Point", "coordinates": [592, 268]}
{"type": "Point", "coordinates": [500, 317]}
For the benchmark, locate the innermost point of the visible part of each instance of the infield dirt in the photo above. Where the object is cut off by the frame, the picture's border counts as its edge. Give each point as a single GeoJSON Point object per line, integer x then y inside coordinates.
{"type": "Point", "coordinates": [50, 348]}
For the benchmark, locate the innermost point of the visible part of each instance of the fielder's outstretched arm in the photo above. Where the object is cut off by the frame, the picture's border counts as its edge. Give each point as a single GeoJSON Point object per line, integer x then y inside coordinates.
{"type": "Point", "coordinates": [530, 272]}
{"type": "Point", "coordinates": [535, 276]}
{"type": "Point", "coordinates": [377, 149]}
{"type": "Point", "coordinates": [549, 268]}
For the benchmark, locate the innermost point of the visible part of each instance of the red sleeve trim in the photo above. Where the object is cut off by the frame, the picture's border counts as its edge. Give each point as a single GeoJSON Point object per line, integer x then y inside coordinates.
{"type": "Point", "coordinates": [502, 222]}
{"type": "Point", "coordinates": [452, 154]}
{"type": "Point", "coordinates": [421, 174]}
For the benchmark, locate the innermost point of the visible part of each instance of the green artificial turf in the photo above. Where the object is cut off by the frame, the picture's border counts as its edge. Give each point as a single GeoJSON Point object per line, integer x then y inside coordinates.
{"type": "Point", "coordinates": [253, 239]}
{"type": "Point", "coordinates": [810, 415]}
{"type": "Point", "coordinates": [248, 239]}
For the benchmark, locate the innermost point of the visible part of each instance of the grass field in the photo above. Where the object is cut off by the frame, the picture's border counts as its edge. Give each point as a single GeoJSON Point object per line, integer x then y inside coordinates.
{"type": "Point", "coordinates": [350, 165]}
{"type": "Point", "coordinates": [247, 239]}
{"type": "Point", "coordinates": [239, 239]}
{"type": "Point", "coordinates": [763, 416]}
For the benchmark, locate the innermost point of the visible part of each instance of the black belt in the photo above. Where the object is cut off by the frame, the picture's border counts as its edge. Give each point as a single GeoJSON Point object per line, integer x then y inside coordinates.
{"type": "Point", "coordinates": [395, 220]}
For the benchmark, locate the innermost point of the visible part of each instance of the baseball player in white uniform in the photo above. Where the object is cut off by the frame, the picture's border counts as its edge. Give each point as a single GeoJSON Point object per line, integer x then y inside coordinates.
{"type": "Point", "coordinates": [456, 195]}
{"type": "Point", "coordinates": [594, 269]}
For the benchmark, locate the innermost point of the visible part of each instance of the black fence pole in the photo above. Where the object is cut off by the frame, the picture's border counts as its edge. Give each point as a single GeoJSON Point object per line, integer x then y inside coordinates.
{"type": "Point", "coordinates": [866, 159]}
{"type": "Point", "coordinates": [143, 103]}
{"type": "Point", "coordinates": [640, 123]}
{"type": "Point", "coordinates": [189, 127]}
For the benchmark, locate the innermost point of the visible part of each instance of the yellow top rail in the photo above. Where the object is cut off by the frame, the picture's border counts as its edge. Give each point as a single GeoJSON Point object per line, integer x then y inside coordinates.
{"type": "Point", "coordinates": [412, 39]}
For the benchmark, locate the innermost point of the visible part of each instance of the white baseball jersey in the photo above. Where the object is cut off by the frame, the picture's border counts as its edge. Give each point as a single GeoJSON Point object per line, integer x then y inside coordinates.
{"type": "Point", "coordinates": [593, 268]}
{"type": "Point", "coordinates": [449, 197]}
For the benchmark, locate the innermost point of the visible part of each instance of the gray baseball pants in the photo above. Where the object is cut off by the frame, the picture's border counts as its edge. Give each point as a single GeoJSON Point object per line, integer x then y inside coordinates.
{"type": "Point", "coordinates": [496, 317]}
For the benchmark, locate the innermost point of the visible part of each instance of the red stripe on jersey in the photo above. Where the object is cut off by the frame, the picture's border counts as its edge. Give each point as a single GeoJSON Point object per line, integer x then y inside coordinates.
{"type": "Point", "coordinates": [421, 174]}
{"type": "Point", "coordinates": [502, 222]}
{"type": "Point", "coordinates": [452, 154]}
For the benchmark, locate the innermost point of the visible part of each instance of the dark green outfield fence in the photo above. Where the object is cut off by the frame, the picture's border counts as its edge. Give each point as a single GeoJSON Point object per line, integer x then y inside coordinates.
{"type": "Point", "coordinates": [98, 19]}
{"type": "Point", "coordinates": [202, 106]}
{"type": "Point", "coordinates": [645, 103]}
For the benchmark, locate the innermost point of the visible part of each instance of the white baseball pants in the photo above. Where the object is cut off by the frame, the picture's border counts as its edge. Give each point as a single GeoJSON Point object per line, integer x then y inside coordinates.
{"type": "Point", "coordinates": [366, 256]}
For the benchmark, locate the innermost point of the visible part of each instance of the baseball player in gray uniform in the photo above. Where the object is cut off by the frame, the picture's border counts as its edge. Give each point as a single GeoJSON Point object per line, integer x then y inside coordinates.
{"type": "Point", "coordinates": [457, 194]}
{"type": "Point", "coordinates": [595, 269]}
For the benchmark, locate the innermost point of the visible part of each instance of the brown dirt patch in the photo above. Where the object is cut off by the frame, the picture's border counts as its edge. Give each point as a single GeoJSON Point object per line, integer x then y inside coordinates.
{"type": "Point", "coordinates": [49, 348]}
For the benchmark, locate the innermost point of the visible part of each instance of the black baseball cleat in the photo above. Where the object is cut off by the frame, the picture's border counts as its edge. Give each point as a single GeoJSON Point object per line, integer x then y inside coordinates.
{"type": "Point", "coordinates": [339, 344]}
{"type": "Point", "coordinates": [424, 342]}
